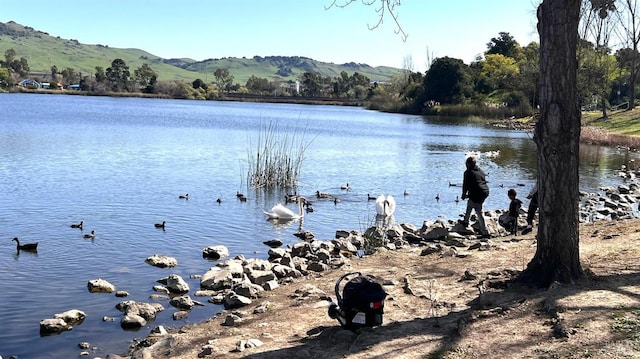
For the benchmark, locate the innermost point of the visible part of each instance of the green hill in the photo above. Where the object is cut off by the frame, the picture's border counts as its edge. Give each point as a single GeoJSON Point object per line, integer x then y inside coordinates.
{"type": "Point", "coordinates": [43, 51]}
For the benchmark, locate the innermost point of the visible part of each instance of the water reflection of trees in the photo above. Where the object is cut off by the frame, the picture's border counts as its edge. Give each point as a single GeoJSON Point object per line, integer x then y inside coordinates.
{"type": "Point", "coordinates": [598, 163]}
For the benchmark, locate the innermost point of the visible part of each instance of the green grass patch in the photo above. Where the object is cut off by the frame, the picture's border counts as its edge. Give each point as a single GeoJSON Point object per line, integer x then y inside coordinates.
{"type": "Point", "coordinates": [619, 122]}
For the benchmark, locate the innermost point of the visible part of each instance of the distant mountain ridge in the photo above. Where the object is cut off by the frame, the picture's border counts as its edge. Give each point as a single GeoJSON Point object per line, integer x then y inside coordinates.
{"type": "Point", "coordinates": [43, 51]}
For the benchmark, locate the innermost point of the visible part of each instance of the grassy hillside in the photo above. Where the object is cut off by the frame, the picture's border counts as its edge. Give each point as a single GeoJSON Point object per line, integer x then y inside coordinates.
{"type": "Point", "coordinates": [43, 51]}
{"type": "Point", "coordinates": [620, 122]}
{"type": "Point", "coordinates": [287, 68]}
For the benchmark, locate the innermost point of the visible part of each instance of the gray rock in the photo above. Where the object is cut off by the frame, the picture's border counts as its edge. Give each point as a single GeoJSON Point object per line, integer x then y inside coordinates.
{"type": "Point", "coordinates": [132, 321]}
{"type": "Point", "coordinates": [395, 232]}
{"type": "Point", "coordinates": [610, 204]}
{"type": "Point", "coordinates": [182, 302]}
{"type": "Point", "coordinates": [217, 299]}
{"type": "Point", "coordinates": [240, 346]}
{"type": "Point", "coordinates": [159, 330]}
{"type": "Point", "coordinates": [409, 227]}
{"type": "Point", "coordinates": [181, 315]}
{"type": "Point", "coordinates": [233, 300]}
{"type": "Point", "coordinates": [323, 255]}
{"type": "Point", "coordinates": [357, 239]}
{"type": "Point", "coordinates": [270, 285]}
{"type": "Point", "coordinates": [456, 242]}
{"type": "Point", "coordinates": [449, 252]}
{"type": "Point", "coordinates": [248, 289]}
{"type": "Point", "coordinates": [235, 266]}
{"type": "Point", "coordinates": [146, 310]}
{"type": "Point", "coordinates": [72, 317]}
{"type": "Point", "coordinates": [53, 326]}
{"type": "Point", "coordinates": [260, 277]}
{"type": "Point", "coordinates": [216, 279]}
{"type": "Point", "coordinates": [273, 243]}
{"type": "Point", "coordinates": [275, 253]}
{"type": "Point", "coordinates": [439, 232]}
{"type": "Point", "coordinates": [301, 249]}
{"type": "Point", "coordinates": [161, 289]}
{"type": "Point", "coordinates": [254, 343]}
{"type": "Point", "coordinates": [298, 263]}
{"type": "Point", "coordinates": [231, 320]}
{"type": "Point", "coordinates": [431, 248]}
{"type": "Point", "coordinates": [204, 293]}
{"type": "Point", "coordinates": [411, 237]}
{"type": "Point", "coordinates": [282, 271]}
{"type": "Point", "coordinates": [305, 235]}
{"type": "Point", "coordinates": [175, 284]}
{"type": "Point", "coordinates": [318, 267]}
{"type": "Point", "coordinates": [100, 286]}
{"type": "Point", "coordinates": [257, 264]}
{"type": "Point", "coordinates": [343, 244]}
{"type": "Point", "coordinates": [161, 261]}
{"type": "Point", "coordinates": [206, 350]}
{"type": "Point", "coordinates": [215, 252]}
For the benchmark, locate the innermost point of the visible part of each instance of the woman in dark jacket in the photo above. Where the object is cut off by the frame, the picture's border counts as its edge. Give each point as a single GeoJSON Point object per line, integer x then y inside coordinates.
{"type": "Point", "coordinates": [475, 188]}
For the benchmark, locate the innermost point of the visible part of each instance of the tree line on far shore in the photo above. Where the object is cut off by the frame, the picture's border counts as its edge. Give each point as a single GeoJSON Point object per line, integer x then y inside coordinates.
{"type": "Point", "coordinates": [501, 83]}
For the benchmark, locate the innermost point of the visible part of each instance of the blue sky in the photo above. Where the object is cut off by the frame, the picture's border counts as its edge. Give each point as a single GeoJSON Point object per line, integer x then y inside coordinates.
{"type": "Point", "coordinates": [202, 29]}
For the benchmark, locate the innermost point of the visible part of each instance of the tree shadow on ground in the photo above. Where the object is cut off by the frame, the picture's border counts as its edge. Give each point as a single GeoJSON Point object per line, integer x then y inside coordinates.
{"type": "Point", "coordinates": [498, 301]}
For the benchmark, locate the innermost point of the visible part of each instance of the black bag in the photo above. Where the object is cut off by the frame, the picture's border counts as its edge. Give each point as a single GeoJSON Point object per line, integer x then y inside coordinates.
{"type": "Point", "coordinates": [361, 303]}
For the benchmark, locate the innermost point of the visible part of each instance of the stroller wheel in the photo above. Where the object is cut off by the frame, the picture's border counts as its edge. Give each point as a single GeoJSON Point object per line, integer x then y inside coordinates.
{"type": "Point", "coordinates": [333, 311]}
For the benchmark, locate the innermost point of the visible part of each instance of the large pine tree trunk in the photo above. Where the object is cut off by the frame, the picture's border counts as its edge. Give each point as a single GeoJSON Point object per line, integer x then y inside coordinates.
{"type": "Point", "coordinates": [557, 137]}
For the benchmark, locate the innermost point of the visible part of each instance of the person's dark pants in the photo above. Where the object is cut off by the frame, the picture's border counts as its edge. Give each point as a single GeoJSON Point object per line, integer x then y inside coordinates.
{"type": "Point", "coordinates": [533, 207]}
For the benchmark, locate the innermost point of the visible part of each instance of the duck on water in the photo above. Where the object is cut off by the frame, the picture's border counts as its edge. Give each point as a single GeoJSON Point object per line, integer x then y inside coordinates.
{"type": "Point", "coordinates": [25, 247]}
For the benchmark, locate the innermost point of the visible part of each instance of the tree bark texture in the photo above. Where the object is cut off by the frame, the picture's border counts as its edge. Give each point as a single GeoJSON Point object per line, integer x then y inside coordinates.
{"type": "Point", "coordinates": [557, 137]}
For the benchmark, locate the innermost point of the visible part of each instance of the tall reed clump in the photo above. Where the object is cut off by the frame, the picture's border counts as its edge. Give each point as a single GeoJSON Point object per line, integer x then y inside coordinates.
{"type": "Point", "coordinates": [277, 158]}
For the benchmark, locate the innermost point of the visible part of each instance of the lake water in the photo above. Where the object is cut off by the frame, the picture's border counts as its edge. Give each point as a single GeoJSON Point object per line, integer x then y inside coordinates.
{"type": "Point", "coordinates": [119, 165]}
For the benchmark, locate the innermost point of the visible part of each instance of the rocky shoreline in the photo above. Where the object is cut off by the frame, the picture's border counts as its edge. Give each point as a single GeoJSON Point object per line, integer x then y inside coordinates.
{"type": "Point", "coordinates": [238, 282]}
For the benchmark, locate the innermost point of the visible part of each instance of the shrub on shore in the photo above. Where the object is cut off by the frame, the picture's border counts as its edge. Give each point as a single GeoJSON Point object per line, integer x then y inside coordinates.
{"type": "Point", "coordinates": [599, 136]}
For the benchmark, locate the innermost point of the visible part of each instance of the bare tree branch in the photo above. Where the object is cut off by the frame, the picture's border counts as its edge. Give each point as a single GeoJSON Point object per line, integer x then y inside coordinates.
{"type": "Point", "coordinates": [385, 6]}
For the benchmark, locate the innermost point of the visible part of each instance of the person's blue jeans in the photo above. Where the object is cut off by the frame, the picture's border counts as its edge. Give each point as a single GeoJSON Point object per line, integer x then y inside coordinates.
{"type": "Point", "coordinates": [476, 206]}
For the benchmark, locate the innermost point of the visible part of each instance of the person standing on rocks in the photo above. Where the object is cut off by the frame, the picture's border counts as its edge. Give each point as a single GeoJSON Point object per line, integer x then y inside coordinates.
{"type": "Point", "coordinates": [533, 207]}
{"type": "Point", "coordinates": [475, 188]}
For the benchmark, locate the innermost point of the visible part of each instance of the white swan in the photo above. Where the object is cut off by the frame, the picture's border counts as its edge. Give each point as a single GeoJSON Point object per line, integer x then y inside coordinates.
{"type": "Point", "coordinates": [281, 212]}
{"type": "Point", "coordinates": [385, 206]}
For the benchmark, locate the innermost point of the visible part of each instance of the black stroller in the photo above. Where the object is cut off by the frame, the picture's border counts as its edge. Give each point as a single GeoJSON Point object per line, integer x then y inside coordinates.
{"type": "Point", "coordinates": [361, 303]}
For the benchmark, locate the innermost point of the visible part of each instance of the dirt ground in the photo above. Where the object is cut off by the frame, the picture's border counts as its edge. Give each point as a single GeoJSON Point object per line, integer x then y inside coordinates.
{"type": "Point", "coordinates": [435, 308]}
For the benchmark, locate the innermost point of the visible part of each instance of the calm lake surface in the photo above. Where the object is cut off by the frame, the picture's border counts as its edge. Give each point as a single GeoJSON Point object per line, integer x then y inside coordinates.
{"type": "Point", "coordinates": [119, 165]}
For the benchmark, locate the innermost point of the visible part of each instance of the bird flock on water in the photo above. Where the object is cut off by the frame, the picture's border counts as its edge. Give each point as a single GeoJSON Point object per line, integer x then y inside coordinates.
{"type": "Point", "coordinates": [385, 207]}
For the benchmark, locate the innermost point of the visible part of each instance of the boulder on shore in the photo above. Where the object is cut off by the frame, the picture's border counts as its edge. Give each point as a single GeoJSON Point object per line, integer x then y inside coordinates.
{"type": "Point", "coordinates": [215, 252]}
